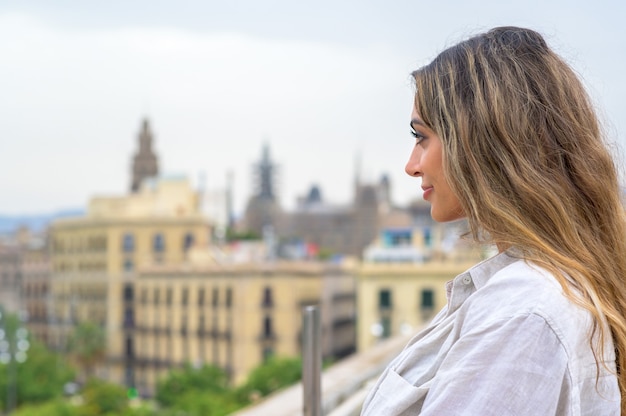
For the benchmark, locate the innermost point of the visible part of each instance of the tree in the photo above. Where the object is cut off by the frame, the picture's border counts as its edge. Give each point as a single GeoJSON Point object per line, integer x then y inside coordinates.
{"type": "Point", "coordinates": [200, 391]}
{"type": "Point", "coordinates": [102, 398]}
{"type": "Point", "coordinates": [57, 407]}
{"type": "Point", "coordinates": [87, 346]}
{"type": "Point", "coordinates": [270, 376]}
{"type": "Point", "coordinates": [42, 376]}
{"type": "Point", "coordinates": [35, 377]}
{"type": "Point", "coordinates": [206, 379]}
{"type": "Point", "coordinates": [197, 403]}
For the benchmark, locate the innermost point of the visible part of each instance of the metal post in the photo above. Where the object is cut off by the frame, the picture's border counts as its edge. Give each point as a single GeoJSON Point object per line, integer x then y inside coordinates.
{"type": "Point", "coordinates": [311, 361]}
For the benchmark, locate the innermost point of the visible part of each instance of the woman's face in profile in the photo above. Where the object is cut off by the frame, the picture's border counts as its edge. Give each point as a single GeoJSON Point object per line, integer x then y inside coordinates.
{"type": "Point", "coordinates": [426, 161]}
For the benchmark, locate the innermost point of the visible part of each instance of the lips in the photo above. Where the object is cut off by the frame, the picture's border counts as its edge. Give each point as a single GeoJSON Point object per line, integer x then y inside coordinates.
{"type": "Point", "coordinates": [427, 191]}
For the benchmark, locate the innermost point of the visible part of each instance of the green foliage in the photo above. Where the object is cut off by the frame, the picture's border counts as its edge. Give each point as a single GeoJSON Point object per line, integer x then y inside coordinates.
{"type": "Point", "coordinates": [276, 373]}
{"type": "Point", "coordinates": [206, 379]}
{"type": "Point", "coordinates": [10, 324]}
{"type": "Point", "coordinates": [63, 407]}
{"type": "Point", "coordinates": [42, 376]}
{"type": "Point", "coordinates": [187, 391]}
{"type": "Point", "coordinates": [57, 407]}
{"type": "Point", "coordinates": [87, 345]}
{"type": "Point", "coordinates": [196, 403]}
{"type": "Point", "coordinates": [142, 410]}
{"type": "Point", "coordinates": [204, 391]}
{"type": "Point", "coordinates": [102, 398]}
{"type": "Point", "coordinates": [232, 235]}
{"type": "Point", "coordinates": [325, 253]}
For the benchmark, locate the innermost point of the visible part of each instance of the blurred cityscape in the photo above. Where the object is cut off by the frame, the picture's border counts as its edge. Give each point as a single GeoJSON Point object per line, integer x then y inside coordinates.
{"type": "Point", "coordinates": [166, 277]}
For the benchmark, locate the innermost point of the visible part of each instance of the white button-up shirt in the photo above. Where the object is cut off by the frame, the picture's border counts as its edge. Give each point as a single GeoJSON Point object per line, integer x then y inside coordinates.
{"type": "Point", "coordinates": [508, 343]}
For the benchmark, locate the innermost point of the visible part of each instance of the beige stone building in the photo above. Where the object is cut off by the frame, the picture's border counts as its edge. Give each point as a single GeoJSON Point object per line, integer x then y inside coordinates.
{"type": "Point", "coordinates": [143, 267]}
{"type": "Point", "coordinates": [10, 277]}
{"type": "Point", "coordinates": [35, 293]}
{"type": "Point", "coordinates": [25, 278]}
{"type": "Point", "coordinates": [236, 315]}
{"type": "Point", "coordinates": [95, 259]}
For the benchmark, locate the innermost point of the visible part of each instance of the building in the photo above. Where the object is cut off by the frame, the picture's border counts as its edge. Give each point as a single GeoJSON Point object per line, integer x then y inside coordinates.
{"type": "Point", "coordinates": [95, 259]}
{"type": "Point", "coordinates": [145, 163]}
{"type": "Point", "coordinates": [263, 210]}
{"type": "Point", "coordinates": [25, 278]}
{"type": "Point", "coordinates": [333, 229]}
{"type": "Point", "coordinates": [11, 277]}
{"type": "Point", "coordinates": [336, 229]}
{"type": "Point", "coordinates": [35, 285]}
{"type": "Point", "coordinates": [235, 315]}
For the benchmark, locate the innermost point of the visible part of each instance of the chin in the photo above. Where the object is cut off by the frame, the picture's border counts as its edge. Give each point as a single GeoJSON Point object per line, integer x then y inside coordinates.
{"type": "Point", "coordinates": [446, 216]}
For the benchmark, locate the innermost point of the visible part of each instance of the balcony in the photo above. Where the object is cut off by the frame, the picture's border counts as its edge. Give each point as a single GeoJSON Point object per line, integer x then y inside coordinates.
{"type": "Point", "coordinates": [344, 385]}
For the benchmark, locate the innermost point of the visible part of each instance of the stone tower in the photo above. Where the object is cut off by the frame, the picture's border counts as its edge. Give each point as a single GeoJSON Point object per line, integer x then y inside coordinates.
{"type": "Point", "coordinates": [145, 163]}
{"type": "Point", "coordinates": [263, 209]}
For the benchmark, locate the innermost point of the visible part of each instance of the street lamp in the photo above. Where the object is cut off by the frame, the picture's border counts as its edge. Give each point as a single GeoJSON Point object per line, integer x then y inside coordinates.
{"type": "Point", "coordinates": [13, 350]}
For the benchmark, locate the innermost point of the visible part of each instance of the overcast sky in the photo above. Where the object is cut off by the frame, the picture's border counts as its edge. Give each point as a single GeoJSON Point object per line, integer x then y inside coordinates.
{"type": "Point", "coordinates": [324, 84]}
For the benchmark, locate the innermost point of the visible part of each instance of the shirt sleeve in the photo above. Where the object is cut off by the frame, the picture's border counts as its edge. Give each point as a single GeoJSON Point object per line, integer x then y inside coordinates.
{"type": "Point", "coordinates": [513, 366]}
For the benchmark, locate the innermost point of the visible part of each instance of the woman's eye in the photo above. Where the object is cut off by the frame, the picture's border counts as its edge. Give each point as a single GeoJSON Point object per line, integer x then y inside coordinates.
{"type": "Point", "coordinates": [418, 136]}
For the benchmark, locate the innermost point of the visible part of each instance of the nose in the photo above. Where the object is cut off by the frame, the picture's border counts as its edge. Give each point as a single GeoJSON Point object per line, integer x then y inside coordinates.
{"type": "Point", "coordinates": [413, 167]}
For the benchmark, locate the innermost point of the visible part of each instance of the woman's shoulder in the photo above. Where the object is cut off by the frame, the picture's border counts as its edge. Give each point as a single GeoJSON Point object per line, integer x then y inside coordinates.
{"type": "Point", "coordinates": [512, 277]}
{"type": "Point", "coordinates": [522, 288]}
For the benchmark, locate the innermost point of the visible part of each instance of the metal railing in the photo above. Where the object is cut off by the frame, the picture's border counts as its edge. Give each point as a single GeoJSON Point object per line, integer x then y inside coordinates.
{"type": "Point", "coordinates": [311, 361]}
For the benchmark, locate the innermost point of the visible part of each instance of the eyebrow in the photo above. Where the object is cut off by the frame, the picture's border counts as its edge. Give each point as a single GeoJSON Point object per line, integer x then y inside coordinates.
{"type": "Point", "coordinates": [416, 121]}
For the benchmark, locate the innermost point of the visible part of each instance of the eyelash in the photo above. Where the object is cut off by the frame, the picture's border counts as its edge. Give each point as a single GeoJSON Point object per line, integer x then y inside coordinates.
{"type": "Point", "coordinates": [420, 138]}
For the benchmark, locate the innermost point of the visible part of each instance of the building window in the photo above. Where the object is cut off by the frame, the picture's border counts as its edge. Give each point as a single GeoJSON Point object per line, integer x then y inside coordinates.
{"type": "Point", "coordinates": [267, 297]}
{"type": "Point", "coordinates": [128, 265]}
{"type": "Point", "coordinates": [384, 299]}
{"type": "Point", "coordinates": [215, 299]}
{"type": "Point", "coordinates": [130, 351]}
{"type": "Point", "coordinates": [267, 327]}
{"type": "Point", "coordinates": [229, 297]}
{"type": "Point", "coordinates": [397, 237]}
{"type": "Point", "coordinates": [185, 297]}
{"type": "Point", "coordinates": [427, 303]}
{"type": "Point", "coordinates": [428, 239]}
{"type": "Point", "coordinates": [158, 243]}
{"type": "Point", "coordinates": [427, 299]}
{"type": "Point", "coordinates": [183, 326]}
{"type": "Point", "coordinates": [187, 241]}
{"type": "Point", "coordinates": [201, 297]}
{"type": "Point", "coordinates": [129, 293]}
{"type": "Point", "coordinates": [128, 243]}
{"type": "Point", "coordinates": [129, 318]}
{"type": "Point", "coordinates": [156, 296]}
{"type": "Point", "coordinates": [168, 296]}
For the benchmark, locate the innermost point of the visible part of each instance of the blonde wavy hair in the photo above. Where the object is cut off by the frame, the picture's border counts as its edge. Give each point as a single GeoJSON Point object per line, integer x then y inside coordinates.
{"type": "Point", "coordinates": [525, 155]}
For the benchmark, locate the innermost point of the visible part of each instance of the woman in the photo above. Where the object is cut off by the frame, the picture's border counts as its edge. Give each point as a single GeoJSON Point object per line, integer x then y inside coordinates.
{"type": "Point", "coordinates": [507, 137]}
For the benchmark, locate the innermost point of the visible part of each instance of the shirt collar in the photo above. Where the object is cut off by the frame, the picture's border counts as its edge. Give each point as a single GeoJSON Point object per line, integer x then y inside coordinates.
{"type": "Point", "coordinates": [481, 272]}
{"type": "Point", "coordinates": [459, 289]}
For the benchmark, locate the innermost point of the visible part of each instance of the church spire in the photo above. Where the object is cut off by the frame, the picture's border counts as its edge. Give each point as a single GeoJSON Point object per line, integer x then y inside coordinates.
{"type": "Point", "coordinates": [145, 164]}
{"type": "Point", "coordinates": [265, 172]}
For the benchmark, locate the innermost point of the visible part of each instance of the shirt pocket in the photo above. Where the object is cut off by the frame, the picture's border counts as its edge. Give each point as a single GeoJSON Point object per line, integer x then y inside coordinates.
{"type": "Point", "coordinates": [395, 396]}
